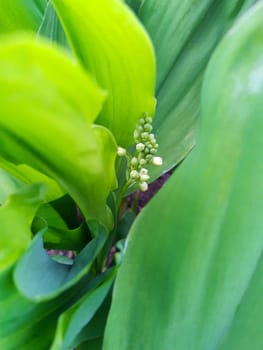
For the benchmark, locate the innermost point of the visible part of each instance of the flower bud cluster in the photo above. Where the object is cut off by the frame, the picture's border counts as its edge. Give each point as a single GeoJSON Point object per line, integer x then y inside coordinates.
{"type": "Point", "coordinates": [145, 150]}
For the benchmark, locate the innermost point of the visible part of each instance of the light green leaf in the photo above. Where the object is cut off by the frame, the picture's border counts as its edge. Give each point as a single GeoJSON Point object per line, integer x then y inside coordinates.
{"type": "Point", "coordinates": [8, 185]}
{"type": "Point", "coordinates": [16, 215]}
{"type": "Point", "coordinates": [184, 35]}
{"type": "Point", "coordinates": [194, 256]}
{"type": "Point", "coordinates": [48, 105]}
{"type": "Point", "coordinates": [113, 46]}
{"type": "Point", "coordinates": [26, 175]}
{"type": "Point", "coordinates": [21, 14]}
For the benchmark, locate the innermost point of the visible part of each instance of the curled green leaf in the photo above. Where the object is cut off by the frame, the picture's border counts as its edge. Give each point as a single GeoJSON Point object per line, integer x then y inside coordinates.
{"type": "Point", "coordinates": [48, 106]}
{"type": "Point", "coordinates": [114, 47]}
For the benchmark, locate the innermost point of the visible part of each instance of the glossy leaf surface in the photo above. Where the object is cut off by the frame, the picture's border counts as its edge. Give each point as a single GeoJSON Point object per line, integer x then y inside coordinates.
{"type": "Point", "coordinates": [194, 256]}
{"type": "Point", "coordinates": [50, 128]}
{"type": "Point", "coordinates": [184, 35]}
{"type": "Point", "coordinates": [113, 46]}
{"type": "Point", "coordinates": [40, 278]}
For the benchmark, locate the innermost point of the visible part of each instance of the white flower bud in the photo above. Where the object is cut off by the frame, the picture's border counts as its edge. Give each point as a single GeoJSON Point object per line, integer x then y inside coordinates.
{"type": "Point", "coordinates": [149, 120]}
{"type": "Point", "coordinates": [152, 138]}
{"type": "Point", "coordinates": [121, 151]}
{"type": "Point", "coordinates": [143, 161]}
{"type": "Point", "coordinates": [143, 186]}
{"type": "Point", "coordinates": [134, 174]}
{"type": "Point", "coordinates": [134, 161]}
{"type": "Point", "coordinates": [144, 135]}
{"type": "Point", "coordinates": [144, 177]}
{"type": "Point", "coordinates": [140, 147]}
{"type": "Point", "coordinates": [148, 127]}
{"type": "Point", "coordinates": [143, 171]}
{"type": "Point", "coordinates": [157, 161]}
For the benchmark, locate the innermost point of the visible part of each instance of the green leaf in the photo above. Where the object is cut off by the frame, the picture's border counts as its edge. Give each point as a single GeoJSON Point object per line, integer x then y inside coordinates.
{"type": "Point", "coordinates": [184, 35]}
{"type": "Point", "coordinates": [16, 215]}
{"type": "Point", "coordinates": [79, 315]}
{"type": "Point", "coordinates": [21, 14]}
{"type": "Point", "coordinates": [194, 256]}
{"type": "Point", "coordinates": [26, 175]}
{"type": "Point", "coordinates": [113, 46]}
{"type": "Point", "coordinates": [8, 185]}
{"type": "Point", "coordinates": [40, 278]}
{"type": "Point", "coordinates": [49, 127]}
{"type": "Point", "coordinates": [37, 321]}
{"type": "Point", "coordinates": [52, 28]}
{"type": "Point", "coordinates": [58, 235]}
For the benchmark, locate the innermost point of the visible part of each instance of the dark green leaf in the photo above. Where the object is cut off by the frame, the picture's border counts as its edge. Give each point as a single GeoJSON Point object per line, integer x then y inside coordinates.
{"type": "Point", "coordinates": [184, 35]}
{"type": "Point", "coordinates": [21, 14]}
{"type": "Point", "coordinates": [194, 256]}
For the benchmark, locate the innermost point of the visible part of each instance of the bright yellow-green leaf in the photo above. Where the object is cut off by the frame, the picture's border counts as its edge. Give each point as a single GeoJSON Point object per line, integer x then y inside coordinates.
{"type": "Point", "coordinates": [16, 216]}
{"type": "Point", "coordinates": [48, 104]}
{"type": "Point", "coordinates": [27, 175]}
{"type": "Point", "coordinates": [113, 46]}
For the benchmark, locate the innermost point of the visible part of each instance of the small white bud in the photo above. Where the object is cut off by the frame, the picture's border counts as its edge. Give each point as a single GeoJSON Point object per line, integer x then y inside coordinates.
{"type": "Point", "coordinates": [157, 161]}
{"type": "Point", "coordinates": [134, 174]}
{"type": "Point", "coordinates": [121, 151]}
{"type": "Point", "coordinates": [143, 186]}
{"type": "Point", "coordinates": [145, 135]}
{"type": "Point", "coordinates": [149, 120]}
{"type": "Point", "coordinates": [143, 171]}
{"type": "Point", "coordinates": [140, 147]}
{"type": "Point", "coordinates": [144, 177]}
{"type": "Point", "coordinates": [134, 161]}
{"type": "Point", "coordinates": [143, 161]}
{"type": "Point", "coordinates": [148, 127]}
{"type": "Point", "coordinates": [152, 138]}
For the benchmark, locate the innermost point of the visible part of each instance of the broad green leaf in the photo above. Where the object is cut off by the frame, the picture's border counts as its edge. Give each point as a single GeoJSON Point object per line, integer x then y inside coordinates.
{"type": "Point", "coordinates": [72, 321]}
{"type": "Point", "coordinates": [113, 46]}
{"type": "Point", "coordinates": [16, 215]}
{"type": "Point", "coordinates": [48, 105]}
{"type": "Point", "coordinates": [26, 175]}
{"type": "Point", "coordinates": [184, 35]}
{"type": "Point", "coordinates": [21, 14]}
{"type": "Point", "coordinates": [40, 278]}
{"type": "Point", "coordinates": [194, 256]}
{"type": "Point", "coordinates": [95, 329]}
{"type": "Point", "coordinates": [29, 325]}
